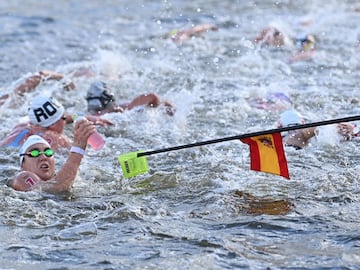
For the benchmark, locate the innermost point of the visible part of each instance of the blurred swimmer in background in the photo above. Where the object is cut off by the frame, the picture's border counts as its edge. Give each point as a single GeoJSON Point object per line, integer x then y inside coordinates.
{"type": "Point", "coordinates": [300, 138]}
{"type": "Point", "coordinates": [273, 101]}
{"type": "Point", "coordinates": [274, 37]}
{"type": "Point", "coordinates": [307, 49]}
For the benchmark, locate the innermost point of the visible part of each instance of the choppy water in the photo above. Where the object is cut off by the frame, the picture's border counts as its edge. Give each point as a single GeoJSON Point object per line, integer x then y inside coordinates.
{"type": "Point", "coordinates": [199, 208]}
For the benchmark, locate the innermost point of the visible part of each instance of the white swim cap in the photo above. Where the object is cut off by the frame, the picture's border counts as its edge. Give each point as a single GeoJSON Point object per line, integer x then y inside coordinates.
{"type": "Point", "coordinates": [45, 111]}
{"type": "Point", "coordinates": [33, 139]}
{"type": "Point", "coordinates": [290, 118]}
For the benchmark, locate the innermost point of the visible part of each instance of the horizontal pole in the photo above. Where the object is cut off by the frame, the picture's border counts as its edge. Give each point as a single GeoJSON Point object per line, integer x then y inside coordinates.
{"type": "Point", "coordinates": [252, 134]}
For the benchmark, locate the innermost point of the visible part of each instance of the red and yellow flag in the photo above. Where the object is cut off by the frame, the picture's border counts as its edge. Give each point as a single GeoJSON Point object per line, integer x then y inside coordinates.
{"type": "Point", "coordinates": [267, 154]}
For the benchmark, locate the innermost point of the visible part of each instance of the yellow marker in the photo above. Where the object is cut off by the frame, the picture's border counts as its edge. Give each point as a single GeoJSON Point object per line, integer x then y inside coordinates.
{"type": "Point", "coordinates": [132, 165]}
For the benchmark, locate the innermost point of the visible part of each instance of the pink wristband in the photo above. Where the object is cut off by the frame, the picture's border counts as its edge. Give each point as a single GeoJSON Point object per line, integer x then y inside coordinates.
{"type": "Point", "coordinates": [77, 150]}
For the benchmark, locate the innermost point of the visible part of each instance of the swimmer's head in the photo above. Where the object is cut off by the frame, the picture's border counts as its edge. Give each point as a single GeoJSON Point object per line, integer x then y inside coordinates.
{"type": "Point", "coordinates": [275, 35]}
{"type": "Point", "coordinates": [290, 118]}
{"type": "Point", "coordinates": [45, 111]}
{"type": "Point", "coordinates": [30, 141]}
{"type": "Point", "coordinates": [307, 42]}
{"type": "Point", "coordinates": [98, 97]}
{"type": "Point", "coordinates": [271, 36]}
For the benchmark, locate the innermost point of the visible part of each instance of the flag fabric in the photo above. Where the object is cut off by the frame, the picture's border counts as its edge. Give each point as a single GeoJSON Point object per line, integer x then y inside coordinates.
{"type": "Point", "coordinates": [267, 154]}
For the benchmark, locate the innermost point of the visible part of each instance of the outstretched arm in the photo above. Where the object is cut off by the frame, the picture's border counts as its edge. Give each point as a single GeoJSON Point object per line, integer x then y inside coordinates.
{"type": "Point", "coordinates": [151, 100]}
{"type": "Point", "coordinates": [65, 178]}
{"type": "Point", "coordinates": [193, 31]}
{"type": "Point", "coordinates": [198, 29]}
{"type": "Point", "coordinates": [3, 98]}
{"type": "Point", "coordinates": [300, 138]}
{"type": "Point", "coordinates": [148, 100]}
{"type": "Point", "coordinates": [33, 81]}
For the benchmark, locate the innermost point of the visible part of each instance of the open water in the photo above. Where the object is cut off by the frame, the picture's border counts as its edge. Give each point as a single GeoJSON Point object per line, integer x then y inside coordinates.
{"type": "Point", "coordinates": [202, 207]}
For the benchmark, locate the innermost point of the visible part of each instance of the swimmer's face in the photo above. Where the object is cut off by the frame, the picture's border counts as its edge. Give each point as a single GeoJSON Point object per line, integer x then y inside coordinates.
{"type": "Point", "coordinates": [43, 166]}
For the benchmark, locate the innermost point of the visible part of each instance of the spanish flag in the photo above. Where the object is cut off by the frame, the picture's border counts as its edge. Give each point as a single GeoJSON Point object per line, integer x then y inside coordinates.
{"type": "Point", "coordinates": [267, 154]}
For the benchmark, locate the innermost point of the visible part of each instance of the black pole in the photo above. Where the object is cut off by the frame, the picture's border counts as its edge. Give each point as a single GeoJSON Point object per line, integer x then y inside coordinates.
{"type": "Point", "coordinates": [252, 134]}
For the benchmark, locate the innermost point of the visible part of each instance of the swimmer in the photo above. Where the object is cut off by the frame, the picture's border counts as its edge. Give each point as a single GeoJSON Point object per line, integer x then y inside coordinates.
{"type": "Point", "coordinates": [307, 49]}
{"type": "Point", "coordinates": [47, 119]}
{"type": "Point", "coordinates": [37, 162]}
{"type": "Point", "coordinates": [101, 101]}
{"type": "Point", "coordinates": [272, 36]}
{"type": "Point", "coordinates": [273, 101]}
{"type": "Point", "coordinates": [300, 138]}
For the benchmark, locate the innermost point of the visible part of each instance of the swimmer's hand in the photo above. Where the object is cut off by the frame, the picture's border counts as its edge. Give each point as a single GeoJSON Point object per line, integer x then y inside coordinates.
{"type": "Point", "coordinates": [51, 75]}
{"type": "Point", "coordinates": [99, 121]}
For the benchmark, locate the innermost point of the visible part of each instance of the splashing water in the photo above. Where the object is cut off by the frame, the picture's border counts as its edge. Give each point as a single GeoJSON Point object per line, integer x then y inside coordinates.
{"type": "Point", "coordinates": [199, 208]}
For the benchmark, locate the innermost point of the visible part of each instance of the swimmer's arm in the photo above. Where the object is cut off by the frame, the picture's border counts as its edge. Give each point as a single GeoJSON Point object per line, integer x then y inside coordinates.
{"type": "Point", "coordinates": [300, 138]}
{"type": "Point", "coordinates": [201, 28]}
{"type": "Point", "coordinates": [301, 56]}
{"type": "Point", "coordinates": [150, 99]}
{"type": "Point", "coordinates": [33, 81]}
{"type": "Point", "coordinates": [28, 85]}
{"type": "Point", "coordinates": [17, 136]}
{"type": "Point", "coordinates": [196, 30]}
{"type": "Point", "coordinates": [308, 133]}
{"type": "Point", "coordinates": [3, 98]}
{"type": "Point", "coordinates": [25, 181]}
{"type": "Point", "coordinates": [97, 120]}
{"type": "Point", "coordinates": [66, 176]}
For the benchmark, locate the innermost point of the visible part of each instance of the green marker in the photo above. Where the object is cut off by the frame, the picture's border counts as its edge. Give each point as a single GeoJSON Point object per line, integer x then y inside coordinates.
{"type": "Point", "coordinates": [132, 165]}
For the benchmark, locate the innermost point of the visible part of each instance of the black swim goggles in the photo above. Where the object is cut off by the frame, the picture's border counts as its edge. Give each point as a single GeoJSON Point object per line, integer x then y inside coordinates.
{"type": "Point", "coordinates": [105, 98]}
{"type": "Point", "coordinates": [35, 153]}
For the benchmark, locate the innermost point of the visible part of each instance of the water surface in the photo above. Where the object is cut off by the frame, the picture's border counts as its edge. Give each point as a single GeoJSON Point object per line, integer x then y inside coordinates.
{"type": "Point", "coordinates": [199, 208]}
